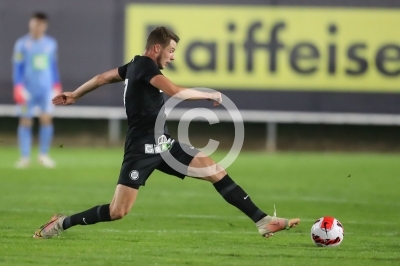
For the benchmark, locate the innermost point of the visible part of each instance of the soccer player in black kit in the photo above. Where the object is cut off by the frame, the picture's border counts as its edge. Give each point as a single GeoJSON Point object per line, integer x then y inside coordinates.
{"type": "Point", "coordinates": [145, 145]}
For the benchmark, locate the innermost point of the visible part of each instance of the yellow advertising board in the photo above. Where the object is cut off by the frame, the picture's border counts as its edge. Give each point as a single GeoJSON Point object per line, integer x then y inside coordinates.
{"type": "Point", "coordinates": [261, 47]}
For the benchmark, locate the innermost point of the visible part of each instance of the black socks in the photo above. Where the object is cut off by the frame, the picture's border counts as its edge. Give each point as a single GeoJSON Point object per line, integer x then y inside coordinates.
{"type": "Point", "coordinates": [236, 196]}
{"type": "Point", "coordinates": [94, 215]}
{"type": "Point", "coordinates": [228, 189]}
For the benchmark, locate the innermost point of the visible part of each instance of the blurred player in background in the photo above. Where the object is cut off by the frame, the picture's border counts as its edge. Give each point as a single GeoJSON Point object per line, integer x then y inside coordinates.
{"type": "Point", "coordinates": [36, 80]}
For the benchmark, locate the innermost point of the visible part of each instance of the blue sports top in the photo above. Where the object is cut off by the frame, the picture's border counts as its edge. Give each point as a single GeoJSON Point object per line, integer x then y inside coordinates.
{"type": "Point", "coordinates": [35, 63]}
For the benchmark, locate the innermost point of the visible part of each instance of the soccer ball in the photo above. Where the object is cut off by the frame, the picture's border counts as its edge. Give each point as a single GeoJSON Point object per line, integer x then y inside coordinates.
{"type": "Point", "coordinates": [327, 232]}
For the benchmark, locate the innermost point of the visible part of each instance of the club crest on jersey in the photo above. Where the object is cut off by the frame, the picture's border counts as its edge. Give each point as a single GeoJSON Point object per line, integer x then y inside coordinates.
{"type": "Point", "coordinates": [134, 175]}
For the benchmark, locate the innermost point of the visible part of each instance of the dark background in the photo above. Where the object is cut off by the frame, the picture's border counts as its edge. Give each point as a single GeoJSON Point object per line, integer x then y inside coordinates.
{"type": "Point", "coordinates": [90, 34]}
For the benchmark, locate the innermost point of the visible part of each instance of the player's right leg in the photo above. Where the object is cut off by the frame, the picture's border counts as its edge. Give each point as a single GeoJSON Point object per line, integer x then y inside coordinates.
{"type": "Point", "coordinates": [135, 170]}
{"type": "Point", "coordinates": [121, 204]}
{"type": "Point", "coordinates": [25, 134]}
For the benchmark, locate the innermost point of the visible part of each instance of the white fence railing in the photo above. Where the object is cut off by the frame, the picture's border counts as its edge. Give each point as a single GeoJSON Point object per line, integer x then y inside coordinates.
{"type": "Point", "coordinates": [270, 118]}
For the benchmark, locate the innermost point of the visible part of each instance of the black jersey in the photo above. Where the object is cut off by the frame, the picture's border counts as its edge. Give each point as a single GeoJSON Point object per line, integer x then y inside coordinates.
{"type": "Point", "coordinates": [143, 102]}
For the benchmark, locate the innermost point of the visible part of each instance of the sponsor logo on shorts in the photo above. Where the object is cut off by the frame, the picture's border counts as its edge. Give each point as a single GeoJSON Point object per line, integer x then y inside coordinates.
{"type": "Point", "coordinates": [134, 175]}
{"type": "Point", "coordinates": [163, 144]}
{"type": "Point", "coordinates": [149, 148]}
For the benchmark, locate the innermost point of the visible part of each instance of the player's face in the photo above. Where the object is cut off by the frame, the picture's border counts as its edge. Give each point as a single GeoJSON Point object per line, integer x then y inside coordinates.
{"type": "Point", "coordinates": [37, 27]}
{"type": "Point", "coordinates": [167, 55]}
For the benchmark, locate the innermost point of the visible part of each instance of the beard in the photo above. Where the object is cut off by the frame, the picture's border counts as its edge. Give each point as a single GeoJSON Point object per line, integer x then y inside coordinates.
{"type": "Point", "coordinates": [159, 64]}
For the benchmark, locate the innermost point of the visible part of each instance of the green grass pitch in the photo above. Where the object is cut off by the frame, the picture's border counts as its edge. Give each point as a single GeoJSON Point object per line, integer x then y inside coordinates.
{"type": "Point", "coordinates": [178, 222]}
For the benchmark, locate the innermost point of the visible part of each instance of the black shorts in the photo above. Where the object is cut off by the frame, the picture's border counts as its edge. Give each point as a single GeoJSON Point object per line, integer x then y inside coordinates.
{"type": "Point", "coordinates": [137, 165]}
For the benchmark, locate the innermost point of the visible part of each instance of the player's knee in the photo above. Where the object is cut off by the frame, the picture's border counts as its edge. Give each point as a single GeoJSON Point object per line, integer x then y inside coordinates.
{"type": "Point", "coordinates": [26, 122]}
{"type": "Point", "coordinates": [118, 213]}
{"type": "Point", "coordinates": [46, 119]}
{"type": "Point", "coordinates": [218, 172]}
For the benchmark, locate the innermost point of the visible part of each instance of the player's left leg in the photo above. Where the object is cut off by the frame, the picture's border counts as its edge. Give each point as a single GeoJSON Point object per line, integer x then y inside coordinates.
{"type": "Point", "coordinates": [46, 132]}
{"type": "Point", "coordinates": [205, 168]}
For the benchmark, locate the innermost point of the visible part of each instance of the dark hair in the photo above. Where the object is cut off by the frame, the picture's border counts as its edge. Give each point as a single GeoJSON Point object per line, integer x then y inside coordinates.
{"type": "Point", "coordinates": [40, 16]}
{"type": "Point", "coordinates": [162, 36]}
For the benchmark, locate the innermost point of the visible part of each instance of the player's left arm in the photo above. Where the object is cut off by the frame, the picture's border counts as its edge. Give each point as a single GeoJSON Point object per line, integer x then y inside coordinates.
{"type": "Point", "coordinates": [67, 98]}
{"type": "Point", "coordinates": [167, 86]}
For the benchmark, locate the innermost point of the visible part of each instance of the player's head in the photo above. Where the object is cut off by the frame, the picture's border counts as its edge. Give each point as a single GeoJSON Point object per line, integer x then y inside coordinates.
{"type": "Point", "coordinates": [38, 24]}
{"type": "Point", "coordinates": [162, 43]}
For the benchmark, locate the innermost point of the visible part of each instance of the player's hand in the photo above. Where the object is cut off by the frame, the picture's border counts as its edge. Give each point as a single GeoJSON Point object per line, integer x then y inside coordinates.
{"type": "Point", "coordinates": [216, 97]}
{"type": "Point", "coordinates": [21, 95]}
{"type": "Point", "coordinates": [65, 98]}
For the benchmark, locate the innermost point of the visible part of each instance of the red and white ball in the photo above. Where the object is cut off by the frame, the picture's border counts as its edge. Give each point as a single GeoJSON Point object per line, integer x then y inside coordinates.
{"type": "Point", "coordinates": [327, 232]}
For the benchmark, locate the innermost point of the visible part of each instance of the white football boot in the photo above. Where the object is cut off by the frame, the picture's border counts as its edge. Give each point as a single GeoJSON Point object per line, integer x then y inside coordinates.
{"type": "Point", "coordinates": [22, 163]}
{"type": "Point", "coordinates": [46, 161]}
{"type": "Point", "coordinates": [268, 225]}
{"type": "Point", "coordinates": [52, 228]}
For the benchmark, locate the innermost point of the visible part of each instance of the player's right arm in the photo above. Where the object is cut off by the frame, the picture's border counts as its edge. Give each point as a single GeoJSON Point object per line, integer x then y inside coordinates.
{"type": "Point", "coordinates": [67, 98]}
{"type": "Point", "coordinates": [19, 92]}
{"type": "Point", "coordinates": [163, 83]}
